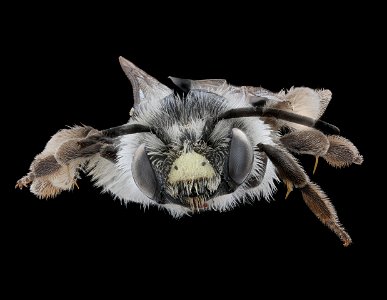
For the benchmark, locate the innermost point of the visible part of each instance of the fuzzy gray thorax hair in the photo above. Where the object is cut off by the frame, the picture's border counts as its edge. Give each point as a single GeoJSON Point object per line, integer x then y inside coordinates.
{"type": "Point", "coordinates": [188, 125]}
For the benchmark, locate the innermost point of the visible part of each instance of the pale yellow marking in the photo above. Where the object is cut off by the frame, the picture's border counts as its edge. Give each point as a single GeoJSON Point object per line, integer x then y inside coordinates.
{"type": "Point", "coordinates": [190, 167]}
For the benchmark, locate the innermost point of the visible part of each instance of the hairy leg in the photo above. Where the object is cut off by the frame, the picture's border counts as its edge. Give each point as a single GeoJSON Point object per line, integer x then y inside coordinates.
{"type": "Point", "coordinates": [312, 142]}
{"type": "Point", "coordinates": [293, 174]}
{"type": "Point", "coordinates": [57, 167]}
{"type": "Point", "coordinates": [109, 152]}
{"type": "Point", "coordinates": [342, 152]}
{"type": "Point", "coordinates": [336, 150]}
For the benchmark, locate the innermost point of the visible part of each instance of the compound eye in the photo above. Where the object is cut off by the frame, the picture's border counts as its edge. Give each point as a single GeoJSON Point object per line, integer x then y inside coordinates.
{"type": "Point", "coordinates": [143, 173]}
{"type": "Point", "coordinates": [241, 157]}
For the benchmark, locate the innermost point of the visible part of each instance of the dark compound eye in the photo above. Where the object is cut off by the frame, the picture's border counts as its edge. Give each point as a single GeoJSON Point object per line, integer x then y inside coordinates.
{"type": "Point", "coordinates": [176, 168]}
{"type": "Point", "coordinates": [203, 163]}
{"type": "Point", "coordinates": [240, 160]}
{"type": "Point", "coordinates": [143, 173]}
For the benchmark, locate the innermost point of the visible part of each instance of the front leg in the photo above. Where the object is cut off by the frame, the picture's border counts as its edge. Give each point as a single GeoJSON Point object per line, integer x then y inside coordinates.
{"type": "Point", "coordinates": [57, 167]}
{"type": "Point", "coordinates": [293, 174]}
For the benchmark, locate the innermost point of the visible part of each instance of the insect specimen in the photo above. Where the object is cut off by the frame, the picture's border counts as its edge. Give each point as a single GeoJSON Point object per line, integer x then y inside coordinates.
{"type": "Point", "coordinates": [212, 147]}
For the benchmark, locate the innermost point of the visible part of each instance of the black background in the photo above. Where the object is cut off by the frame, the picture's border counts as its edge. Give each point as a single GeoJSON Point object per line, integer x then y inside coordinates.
{"type": "Point", "coordinates": [63, 70]}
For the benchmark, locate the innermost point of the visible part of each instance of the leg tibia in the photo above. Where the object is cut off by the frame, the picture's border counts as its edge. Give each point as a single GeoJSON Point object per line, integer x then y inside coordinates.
{"type": "Point", "coordinates": [312, 142]}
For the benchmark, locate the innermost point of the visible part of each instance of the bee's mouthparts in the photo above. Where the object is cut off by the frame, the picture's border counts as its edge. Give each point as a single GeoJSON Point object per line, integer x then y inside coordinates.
{"type": "Point", "coordinates": [196, 203]}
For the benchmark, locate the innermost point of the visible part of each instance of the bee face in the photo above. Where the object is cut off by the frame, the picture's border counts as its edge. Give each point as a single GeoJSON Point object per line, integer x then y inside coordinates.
{"type": "Point", "coordinates": [192, 179]}
{"type": "Point", "coordinates": [192, 160]}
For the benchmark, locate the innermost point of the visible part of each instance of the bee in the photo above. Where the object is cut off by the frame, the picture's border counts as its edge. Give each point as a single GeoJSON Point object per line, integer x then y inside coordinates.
{"type": "Point", "coordinates": [212, 147]}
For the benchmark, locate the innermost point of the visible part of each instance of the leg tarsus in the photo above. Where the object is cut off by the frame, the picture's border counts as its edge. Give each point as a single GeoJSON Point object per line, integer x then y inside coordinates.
{"type": "Point", "coordinates": [319, 203]}
{"type": "Point", "coordinates": [25, 181]}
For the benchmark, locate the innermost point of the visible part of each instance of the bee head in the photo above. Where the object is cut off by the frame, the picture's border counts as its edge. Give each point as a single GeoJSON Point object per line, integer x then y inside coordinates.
{"type": "Point", "coordinates": [186, 160]}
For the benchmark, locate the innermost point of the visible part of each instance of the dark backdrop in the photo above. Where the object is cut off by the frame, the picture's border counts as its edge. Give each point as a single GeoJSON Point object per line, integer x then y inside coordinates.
{"type": "Point", "coordinates": [63, 70]}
